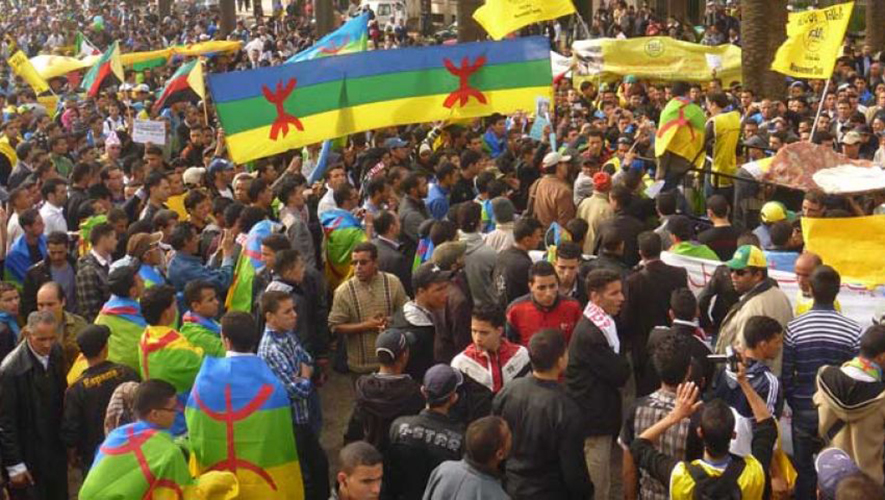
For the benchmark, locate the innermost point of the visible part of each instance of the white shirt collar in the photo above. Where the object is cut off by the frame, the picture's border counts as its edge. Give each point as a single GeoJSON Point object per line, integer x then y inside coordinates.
{"type": "Point", "coordinates": [44, 360]}
{"type": "Point", "coordinates": [234, 354]}
{"type": "Point", "coordinates": [101, 260]}
{"type": "Point", "coordinates": [52, 208]}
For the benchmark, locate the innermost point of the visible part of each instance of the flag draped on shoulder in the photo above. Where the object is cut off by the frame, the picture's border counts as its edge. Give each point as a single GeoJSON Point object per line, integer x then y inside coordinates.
{"type": "Point", "coordinates": [185, 85]}
{"type": "Point", "coordinates": [21, 66]}
{"type": "Point", "coordinates": [502, 17]}
{"type": "Point", "coordinates": [352, 36]}
{"type": "Point", "coordinates": [342, 231]}
{"type": "Point", "coordinates": [239, 420]}
{"type": "Point", "coordinates": [83, 47]}
{"type": "Point", "coordinates": [139, 460]}
{"type": "Point", "coordinates": [681, 130]}
{"type": "Point", "coordinates": [123, 317]}
{"type": "Point", "coordinates": [239, 296]}
{"type": "Point", "coordinates": [204, 333]}
{"type": "Point", "coordinates": [105, 70]}
{"type": "Point", "coordinates": [18, 259]}
{"type": "Point", "coordinates": [814, 41]}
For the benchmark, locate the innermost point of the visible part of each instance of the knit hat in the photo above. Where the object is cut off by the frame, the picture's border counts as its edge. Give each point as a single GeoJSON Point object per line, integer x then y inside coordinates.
{"type": "Point", "coordinates": [447, 254]}
{"type": "Point", "coordinates": [112, 140]}
{"type": "Point", "coordinates": [602, 181]}
{"type": "Point", "coordinates": [503, 210]}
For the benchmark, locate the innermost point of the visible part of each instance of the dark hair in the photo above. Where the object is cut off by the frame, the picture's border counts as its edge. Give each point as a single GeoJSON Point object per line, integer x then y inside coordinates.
{"type": "Point", "coordinates": [153, 180]}
{"type": "Point", "coordinates": [100, 231]}
{"type": "Point", "coordinates": [483, 439]}
{"type": "Point", "coordinates": [610, 238]}
{"type": "Point", "coordinates": [568, 250]}
{"type": "Point", "coordinates": [816, 196]}
{"type": "Point", "coordinates": [545, 348]}
{"type": "Point", "coordinates": [59, 291]}
{"type": "Point", "coordinates": [858, 486]}
{"type": "Point", "coordinates": [469, 216]}
{"type": "Point", "coordinates": [412, 181]}
{"type": "Point", "coordinates": [193, 198]}
{"type": "Point", "coordinates": [375, 186]}
{"type": "Point", "coordinates": [578, 228]}
{"type": "Point", "coordinates": [469, 158]}
{"type": "Point", "coordinates": [232, 213]}
{"type": "Point", "coordinates": [872, 343]}
{"type": "Point", "coordinates": [154, 301]}
{"type": "Point", "coordinates": [781, 232]}
{"type": "Point", "coordinates": [760, 329]}
{"type": "Point", "coordinates": [336, 166]}
{"type": "Point", "coordinates": [384, 221]}
{"type": "Point", "coordinates": [679, 89]}
{"type": "Point", "coordinates": [366, 246]}
{"type": "Point", "coordinates": [163, 217]}
{"type": "Point", "coordinates": [684, 304]}
{"type": "Point", "coordinates": [28, 217]}
{"type": "Point", "coordinates": [276, 242]}
{"type": "Point", "coordinates": [825, 282]}
{"type": "Point", "coordinates": [748, 238]}
{"type": "Point", "coordinates": [153, 394]}
{"type": "Point", "coordinates": [541, 268]}
{"type": "Point", "coordinates": [718, 205]}
{"type": "Point", "coordinates": [271, 300]}
{"type": "Point", "coordinates": [220, 204]}
{"type": "Point", "coordinates": [717, 425]}
{"type": "Point", "coordinates": [286, 260]}
{"type": "Point", "coordinates": [649, 244]}
{"type": "Point", "coordinates": [525, 227]}
{"type": "Point", "coordinates": [193, 291]}
{"type": "Point", "coordinates": [621, 195]}
{"type": "Point", "coordinates": [116, 215]}
{"type": "Point", "coordinates": [666, 203]}
{"type": "Point", "coordinates": [50, 186]}
{"type": "Point", "coordinates": [122, 285]}
{"type": "Point", "coordinates": [442, 231]}
{"type": "Point", "coordinates": [445, 169]}
{"type": "Point", "coordinates": [240, 329]}
{"type": "Point", "coordinates": [249, 217]}
{"type": "Point", "coordinates": [181, 235]}
{"type": "Point", "coordinates": [57, 238]}
{"type": "Point", "coordinates": [256, 187]}
{"type": "Point", "coordinates": [342, 194]}
{"type": "Point", "coordinates": [598, 279]}
{"type": "Point", "coordinates": [483, 181]}
{"type": "Point", "coordinates": [288, 186]}
{"type": "Point", "coordinates": [681, 227]}
{"type": "Point", "coordinates": [672, 358]}
{"type": "Point", "coordinates": [356, 454]}
{"type": "Point", "coordinates": [719, 99]}
{"type": "Point", "coordinates": [490, 314]}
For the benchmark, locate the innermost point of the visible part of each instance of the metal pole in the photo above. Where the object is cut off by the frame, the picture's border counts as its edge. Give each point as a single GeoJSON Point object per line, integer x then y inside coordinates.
{"type": "Point", "coordinates": [820, 109]}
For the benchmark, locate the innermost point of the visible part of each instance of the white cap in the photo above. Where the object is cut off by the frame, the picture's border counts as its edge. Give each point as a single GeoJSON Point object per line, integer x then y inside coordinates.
{"type": "Point", "coordinates": [193, 175]}
{"type": "Point", "coordinates": [555, 158]}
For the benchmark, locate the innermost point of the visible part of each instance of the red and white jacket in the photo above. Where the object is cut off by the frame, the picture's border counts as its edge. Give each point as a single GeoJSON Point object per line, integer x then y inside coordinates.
{"type": "Point", "coordinates": [493, 370]}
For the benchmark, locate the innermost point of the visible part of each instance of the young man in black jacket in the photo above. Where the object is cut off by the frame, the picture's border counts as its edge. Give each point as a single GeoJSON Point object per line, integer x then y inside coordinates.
{"type": "Point", "coordinates": [546, 460]}
{"type": "Point", "coordinates": [597, 369]}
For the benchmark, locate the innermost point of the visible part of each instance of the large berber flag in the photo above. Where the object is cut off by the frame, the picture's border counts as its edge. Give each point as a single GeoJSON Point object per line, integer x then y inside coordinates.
{"type": "Point", "coordinates": [681, 130]}
{"type": "Point", "coordinates": [185, 85]}
{"type": "Point", "coordinates": [104, 71]}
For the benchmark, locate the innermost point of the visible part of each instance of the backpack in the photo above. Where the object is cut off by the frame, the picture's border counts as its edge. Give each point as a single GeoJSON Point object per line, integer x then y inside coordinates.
{"type": "Point", "coordinates": [723, 487]}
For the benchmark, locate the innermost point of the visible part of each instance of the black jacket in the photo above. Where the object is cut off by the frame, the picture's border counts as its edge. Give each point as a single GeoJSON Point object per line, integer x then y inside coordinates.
{"type": "Point", "coordinates": [698, 349]}
{"type": "Point", "coordinates": [418, 324]}
{"type": "Point", "coordinates": [547, 458]}
{"type": "Point", "coordinates": [381, 399]}
{"type": "Point", "coordinates": [31, 400]}
{"type": "Point", "coordinates": [36, 276]}
{"type": "Point", "coordinates": [594, 377]}
{"type": "Point", "coordinates": [722, 290]}
{"type": "Point", "coordinates": [85, 404]}
{"type": "Point", "coordinates": [418, 444]}
{"type": "Point", "coordinates": [309, 296]}
{"type": "Point", "coordinates": [511, 275]}
{"type": "Point", "coordinates": [7, 339]}
{"type": "Point", "coordinates": [392, 260]}
{"type": "Point", "coordinates": [627, 226]}
{"type": "Point", "coordinates": [76, 196]}
{"type": "Point", "coordinates": [647, 305]}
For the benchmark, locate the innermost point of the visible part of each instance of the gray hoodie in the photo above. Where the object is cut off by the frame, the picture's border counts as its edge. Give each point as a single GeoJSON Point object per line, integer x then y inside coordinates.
{"type": "Point", "coordinates": [479, 264]}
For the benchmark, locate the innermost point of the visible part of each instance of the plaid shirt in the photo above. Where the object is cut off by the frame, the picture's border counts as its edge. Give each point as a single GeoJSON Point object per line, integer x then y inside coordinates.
{"type": "Point", "coordinates": [92, 287]}
{"type": "Point", "coordinates": [646, 412]}
{"type": "Point", "coordinates": [284, 355]}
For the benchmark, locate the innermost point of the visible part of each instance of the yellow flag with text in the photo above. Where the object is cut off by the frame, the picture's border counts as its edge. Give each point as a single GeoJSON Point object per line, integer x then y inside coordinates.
{"type": "Point", "coordinates": [502, 17]}
{"type": "Point", "coordinates": [814, 41]}
{"type": "Point", "coordinates": [22, 67]}
{"type": "Point", "coordinates": [858, 260]}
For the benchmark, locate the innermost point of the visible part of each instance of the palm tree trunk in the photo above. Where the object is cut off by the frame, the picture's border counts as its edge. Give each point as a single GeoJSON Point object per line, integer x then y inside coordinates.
{"type": "Point", "coordinates": [763, 30]}
{"type": "Point", "coordinates": [228, 16]}
{"type": "Point", "coordinates": [468, 29]}
{"type": "Point", "coordinates": [777, 33]}
{"type": "Point", "coordinates": [678, 9]}
{"type": "Point", "coordinates": [876, 25]}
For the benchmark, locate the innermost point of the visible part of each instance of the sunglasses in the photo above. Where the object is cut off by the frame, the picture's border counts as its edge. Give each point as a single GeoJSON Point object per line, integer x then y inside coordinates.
{"type": "Point", "coordinates": [739, 272]}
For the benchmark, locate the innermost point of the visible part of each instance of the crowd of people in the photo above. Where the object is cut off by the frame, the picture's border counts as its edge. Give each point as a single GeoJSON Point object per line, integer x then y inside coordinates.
{"type": "Point", "coordinates": [500, 303]}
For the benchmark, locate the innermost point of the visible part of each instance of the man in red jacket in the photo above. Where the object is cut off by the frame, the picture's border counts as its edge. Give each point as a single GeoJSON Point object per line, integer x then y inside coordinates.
{"type": "Point", "coordinates": [543, 307]}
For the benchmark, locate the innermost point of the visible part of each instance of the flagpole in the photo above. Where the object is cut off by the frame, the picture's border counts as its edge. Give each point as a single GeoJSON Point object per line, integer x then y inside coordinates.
{"type": "Point", "coordinates": [820, 108]}
{"type": "Point", "coordinates": [205, 103]}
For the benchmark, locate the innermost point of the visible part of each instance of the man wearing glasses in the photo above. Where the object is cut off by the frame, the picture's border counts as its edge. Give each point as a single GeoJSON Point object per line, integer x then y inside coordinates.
{"type": "Point", "coordinates": [760, 296]}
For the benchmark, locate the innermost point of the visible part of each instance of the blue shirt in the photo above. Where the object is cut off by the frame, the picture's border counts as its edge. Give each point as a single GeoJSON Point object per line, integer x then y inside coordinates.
{"type": "Point", "coordinates": [186, 268]}
{"type": "Point", "coordinates": [284, 354]}
{"type": "Point", "coordinates": [781, 261]}
{"type": "Point", "coordinates": [437, 201]}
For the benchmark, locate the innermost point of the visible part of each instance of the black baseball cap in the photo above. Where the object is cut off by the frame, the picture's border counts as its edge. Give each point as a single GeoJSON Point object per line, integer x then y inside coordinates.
{"type": "Point", "coordinates": [390, 345]}
{"type": "Point", "coordinates": [440, 381]}
{"type": "Point", "coordinates": [427, 274]}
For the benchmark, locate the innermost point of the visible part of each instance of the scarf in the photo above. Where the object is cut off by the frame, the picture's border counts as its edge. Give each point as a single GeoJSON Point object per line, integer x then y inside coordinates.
{"type": "Point", "coordinates": [865, 367]}
{"type": "Point", "coordinates": [605, 323]}
{"type": "Point", "coordinates": [211, 325]}
{"type": "Point", "coordinates": [125, 308]}
{"type": "Point", "coordinates": [10, 321]}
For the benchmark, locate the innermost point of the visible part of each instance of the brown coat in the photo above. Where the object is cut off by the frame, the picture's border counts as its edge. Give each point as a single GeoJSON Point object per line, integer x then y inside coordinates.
{"type": "Point", "coordinates": [551, 200]}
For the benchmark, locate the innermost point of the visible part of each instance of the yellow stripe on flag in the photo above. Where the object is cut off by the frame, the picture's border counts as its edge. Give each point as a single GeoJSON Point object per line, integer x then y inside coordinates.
{"type": "Point", "coordinates": [195, 80]}
{"type": "Point", "coordinates": [502, 17]}
{"type": "Point", "coordinates": [858, 260]}
{"type": "Point", "coordinates": [22, 67]}
{"type": "Point", "coordinates": [814, 41]}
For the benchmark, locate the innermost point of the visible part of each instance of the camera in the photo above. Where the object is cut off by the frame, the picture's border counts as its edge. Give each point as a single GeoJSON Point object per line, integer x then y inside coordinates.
{"type": "Point", "coordinates": [731, 357]}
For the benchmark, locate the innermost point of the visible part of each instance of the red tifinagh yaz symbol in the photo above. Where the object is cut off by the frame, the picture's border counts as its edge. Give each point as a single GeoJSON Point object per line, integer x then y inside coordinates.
{"type": "Point", "coordinates": [278, 98]}
{"type": "Point", "coordinates": [334, 47]}
{"type": "Point", "coordinates": [230, 417]}
{"type": "Point", "coordinates": [465, 91]}
{"type": "Point", "coordinates": [134, 446]}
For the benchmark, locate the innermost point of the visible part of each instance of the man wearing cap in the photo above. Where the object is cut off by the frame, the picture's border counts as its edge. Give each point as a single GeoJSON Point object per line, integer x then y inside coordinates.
{"type": "Point", "coordinates": [143, 250]}
{"type": "Point", "coordinates": [418, 317]}
{"type": "Point", "coordinates": [221, 174]}
{"type": "Point", "coordinates": [547, 456]}
{"type": "Point", "coordinates": [419, 443]}
{"type": "Point", "coordinates": [399, 152]}
{"type": "Point", "coordinates": [596, 209]}
{"type": "Point", "coordinates": [82, 427]}
{"type": "Point", "coordinates": [832, 466]}
{"type": "Point", "coordinates": [550, 197]}
{"type": "Point", "coordinates": [851, 143]}
{"type": "Point", "coordinates": [760, 296]}
{"type": "Point", "coordinates": [386, 395]}
{"type": "Point", "coordinates": [772, 212]}
{"type": "Point", "coordinates": [453, 329]}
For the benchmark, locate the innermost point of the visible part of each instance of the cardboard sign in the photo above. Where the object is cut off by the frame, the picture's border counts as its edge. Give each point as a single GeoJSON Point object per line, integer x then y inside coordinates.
{"type": "Point", "coordinates": [148, 131]}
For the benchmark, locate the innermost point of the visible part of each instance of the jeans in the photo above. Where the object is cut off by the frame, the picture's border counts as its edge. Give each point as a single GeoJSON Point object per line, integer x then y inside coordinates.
{"type": "Point", "coordinates": [314, 464]}
{"type": "Point", "coordinates": [804, 443]}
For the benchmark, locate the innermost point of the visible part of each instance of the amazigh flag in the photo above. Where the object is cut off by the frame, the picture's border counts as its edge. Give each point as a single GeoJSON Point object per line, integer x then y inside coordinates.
{"type": "Point", "coordinates": [123, 316]}
{"type": "Point", "coordinates": [342, 231]}
{"type": "Point", "coordinates": [18, 259]}
{"type": "Point", "coordinates": [239, 296]}
{"type": "Point", "coordinates": [139, 460]}
{"type": "Point", "coordinates": [271, 110]}
{"type": "Point", "coordinates": [83, 48]}
{"type": "Point", "coordinates": [86, 229]}
{"type": "Point", "coordinates": [352, 36]}
{"type": "Point", "coordinates": [203, 332]}
{"type": "Point", "coordinates": [681, 130]}
{"type": "Point", "coordinates": [150, 276]}
{"type": "Point", "coordinates": [423, 254]}
{"type": "Point", "coordinates": [185, 85]}
{"type": "Point", "coordinates": [108, 65]}
{"type": "Point", "coordinates": [239, 399]}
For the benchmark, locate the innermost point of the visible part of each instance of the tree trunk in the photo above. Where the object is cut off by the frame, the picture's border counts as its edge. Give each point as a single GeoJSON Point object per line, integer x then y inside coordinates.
{"type": "Point", "coordinates": [228, 16]}
{"type": "Point", "coordinates": [876, 25]}
{"type": "Point", "coordinates": [325, 15]}
{"type": "Point", "coordinates": [585, 9]}
{"type": "Point", "coordinates": [468, 29]}
{"type": "Point", "coordinates": [760, 38]}
{"type": "Point", "coordinates": [678, 9]}
{"type": "Point", "coordinates": [164, 7]}
{"type": "Point", "coordinates": [777, 33]}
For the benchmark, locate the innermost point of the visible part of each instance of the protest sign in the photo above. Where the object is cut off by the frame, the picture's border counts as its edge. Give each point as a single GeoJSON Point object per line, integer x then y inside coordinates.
{"type": "Point", "coordinates": [814, 41]}
{"type": "Point", "coordinates": [149, 131]}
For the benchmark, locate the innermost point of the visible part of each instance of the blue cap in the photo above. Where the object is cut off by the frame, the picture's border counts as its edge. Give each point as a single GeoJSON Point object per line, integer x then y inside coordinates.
{"type": "Point", "coordinates": [440, 381]}
{"type": "Point", "coordinates": [395, 142]}
{"type": "Point", "coordinates": [220, 165]}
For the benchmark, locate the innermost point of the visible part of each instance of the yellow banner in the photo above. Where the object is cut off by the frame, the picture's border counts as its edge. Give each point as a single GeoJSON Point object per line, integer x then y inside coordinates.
{"type": "Point", "coordinates": [858, 259]}
{"type": "Point", "coordinates": [22, 67]}
{"type": "Point", "coordinates": [50, 102]}
{"type": "Point", "coordinates": [49, 67]}
{"type": "Point", "coordinates": [657, 58]}
{"type": "Point", "coordinates": [502, 17]}
{"type": "Point", "coordinates": [814, 41]}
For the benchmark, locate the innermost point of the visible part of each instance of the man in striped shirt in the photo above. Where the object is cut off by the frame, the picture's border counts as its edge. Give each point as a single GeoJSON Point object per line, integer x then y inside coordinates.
{"type": "Point", "coordinates": [820, 337]}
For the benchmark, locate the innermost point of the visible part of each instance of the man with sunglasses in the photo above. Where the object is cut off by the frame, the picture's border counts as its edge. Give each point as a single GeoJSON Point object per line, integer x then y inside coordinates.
{"type": "Point", "coordinates": [760, 296]}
